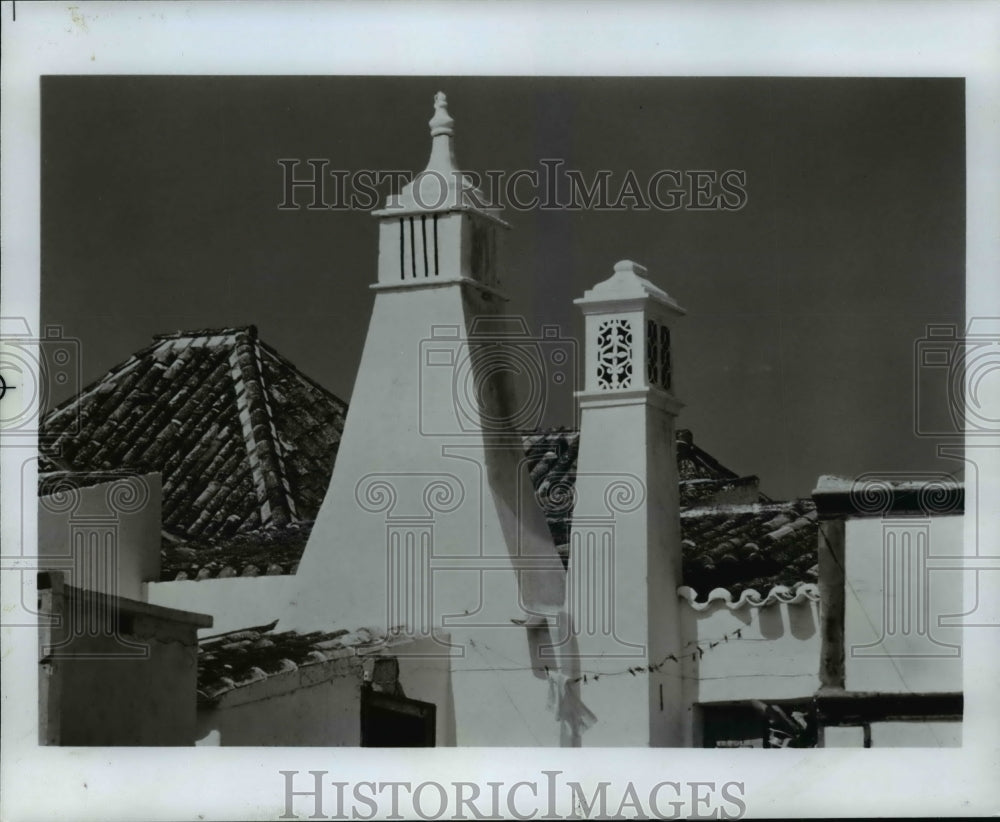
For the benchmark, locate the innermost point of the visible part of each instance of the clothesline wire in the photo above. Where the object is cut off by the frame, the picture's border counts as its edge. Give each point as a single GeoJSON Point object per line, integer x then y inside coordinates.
{"type": "Point", "coordinates": [635, 670]}
{"type": "Point", "coordinates": [589, 675]}
{"type": "Point", "coordinates": [698, 653]}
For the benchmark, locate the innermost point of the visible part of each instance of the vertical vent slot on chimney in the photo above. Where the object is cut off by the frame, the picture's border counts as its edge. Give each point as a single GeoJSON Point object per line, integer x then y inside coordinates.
{"type": "Point", "coordinates": [436, 245]}
{"type": "Point", "coordinates": [665, 369]}
{"type": "Point", "coordinates": [410, 255]}
{"type": "Point", "coordinates": [402, 246]}
{"type": "Point", "coordinates": [423, 239]}
{"type": "Point", "coordinates": [413, 250]}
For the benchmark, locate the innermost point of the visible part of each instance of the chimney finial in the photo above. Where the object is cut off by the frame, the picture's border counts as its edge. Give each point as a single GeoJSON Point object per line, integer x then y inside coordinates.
{"type": "Point", "coordinates": [441, 186]}
{"type": "Point", "coordinates": [441, 122]}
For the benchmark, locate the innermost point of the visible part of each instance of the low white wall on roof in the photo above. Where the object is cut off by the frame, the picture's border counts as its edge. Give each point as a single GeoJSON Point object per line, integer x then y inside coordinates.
{"type": "Point", "coordinates": [106, 536]}
{"type": "Point", "coordinates": [233, 602]}
{"type": "Point", "coordinates": [775, 656]}
{"type": "Point", "coordinates": [316, 705]}
{"type": "Point", "coordinates": [132, 684]}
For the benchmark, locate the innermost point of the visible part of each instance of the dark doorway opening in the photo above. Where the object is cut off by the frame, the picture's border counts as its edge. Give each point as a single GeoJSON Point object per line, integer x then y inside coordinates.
{"type": "Point", "coordinates": [396, 721]}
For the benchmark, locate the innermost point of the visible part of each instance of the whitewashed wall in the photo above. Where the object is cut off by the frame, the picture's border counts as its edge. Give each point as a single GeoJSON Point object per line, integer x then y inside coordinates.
{"type": "Point", "coordinates": [895, 603]}
{"type": "Point", "coordinates": [106, 537]}
{"type": "Point", "coordinates": [234, 602]}
{"type": "Point", "coordinates": [776, 655]}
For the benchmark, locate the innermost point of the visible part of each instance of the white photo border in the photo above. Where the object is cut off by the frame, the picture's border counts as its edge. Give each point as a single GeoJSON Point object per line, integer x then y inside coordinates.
{"type": "Point", "coordinates": [297, 38]}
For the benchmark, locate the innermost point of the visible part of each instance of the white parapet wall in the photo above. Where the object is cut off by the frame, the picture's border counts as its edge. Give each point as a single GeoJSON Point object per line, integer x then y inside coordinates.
{"type": "Point", "coordinates": [233, 602]}
{"type": "Point", "coordinates": [102, 530]}
{"type": "Point", "coordinates": [774, 656]}
{"type": "Point", "coordinates": [751, 647]}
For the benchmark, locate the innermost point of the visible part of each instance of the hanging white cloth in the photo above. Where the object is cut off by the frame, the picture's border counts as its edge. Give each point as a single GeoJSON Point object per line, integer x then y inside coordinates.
{"type": "Point", "coordinates": [566, 703]}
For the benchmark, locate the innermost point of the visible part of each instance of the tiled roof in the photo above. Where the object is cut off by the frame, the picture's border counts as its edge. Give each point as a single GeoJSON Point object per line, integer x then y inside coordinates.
{"type": "Point", "coordinates": [245, 445]}
{"type": "Point", "coordinates": [734, 537]}
{"type": "Point", "coordinates": [704, 480]}
{"type": "Point", "coordinates": [801, 592]}
{"type": "Point", "coordinates": [242, 439]}
{"type": "Point", "coordinates": [720, 491]}
{"type": "Point", "coordinates": [749, 547]}
{"type": "Point", "coordinates": [754, 544]}
{"type": "Point", "coordinates": [239, 658]}
{"type": "Point", "coordinates": [744, 549]}
{"type": "Point", "coordinates": [264, 552]}
{"type": "Point", "coordinates": [552, 468]}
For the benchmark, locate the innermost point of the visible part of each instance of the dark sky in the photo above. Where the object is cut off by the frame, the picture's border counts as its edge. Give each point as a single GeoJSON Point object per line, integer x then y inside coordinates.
{"type": "Point", "coordinates": [159, 213]}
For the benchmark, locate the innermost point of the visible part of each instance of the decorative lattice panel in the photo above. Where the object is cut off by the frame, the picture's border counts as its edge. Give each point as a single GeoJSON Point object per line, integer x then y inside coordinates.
{"type": "Point", "coordinates": [614, 354]}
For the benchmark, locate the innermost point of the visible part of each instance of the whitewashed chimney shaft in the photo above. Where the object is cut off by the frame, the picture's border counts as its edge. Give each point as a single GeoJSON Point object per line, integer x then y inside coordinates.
{"type": "Point", "coordinates": [430, 526]}
{"type": "Point", "coordinates": [624, 565]}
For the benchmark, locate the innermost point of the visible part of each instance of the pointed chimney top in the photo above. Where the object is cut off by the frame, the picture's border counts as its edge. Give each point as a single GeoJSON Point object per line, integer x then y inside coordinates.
{"type": "Point", "coordinates": [440, 187]}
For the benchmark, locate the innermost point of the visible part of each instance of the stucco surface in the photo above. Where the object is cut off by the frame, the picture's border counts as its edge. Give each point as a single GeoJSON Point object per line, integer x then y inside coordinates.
{"type": "Point", "coordinates": [894, 637]}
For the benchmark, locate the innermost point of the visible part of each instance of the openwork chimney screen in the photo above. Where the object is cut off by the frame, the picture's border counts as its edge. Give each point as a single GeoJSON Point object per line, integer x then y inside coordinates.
{"type": "Point", "coordinates": [657, 354]}
{"type": "Point", "coordinates": [614, 354]}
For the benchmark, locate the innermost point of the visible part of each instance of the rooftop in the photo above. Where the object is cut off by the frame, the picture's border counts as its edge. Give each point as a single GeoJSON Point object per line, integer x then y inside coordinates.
{"type": "Point", "coordinates": [754, 547]}
{"type": "Point", "coordinates": [236, 659]}
{"type": "Point", "coordinates": [245, 445]}
{"type": "Point", "coordinates": [733, 536]}
{"type": "Point", "coordinates": [243, 440]}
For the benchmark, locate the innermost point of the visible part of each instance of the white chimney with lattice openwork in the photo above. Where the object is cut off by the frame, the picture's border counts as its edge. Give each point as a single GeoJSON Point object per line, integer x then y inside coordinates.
{"type": "Point", "coordinates": [429, 529]}
{"type": "Point", "coordinates": [625, 547]}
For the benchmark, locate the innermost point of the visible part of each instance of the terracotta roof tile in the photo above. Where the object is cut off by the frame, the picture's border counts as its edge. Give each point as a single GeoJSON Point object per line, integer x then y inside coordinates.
{"type": "Point", "coordinates": [749, 543]}
{"type": "Point", "coordinates": [552, 457]}
{"type": "Point", "coordinates": [749, 547]}
{"type": "Point", "coordinates": [239, 658]}
{"type": "Point", "coordinates": [275, 550]}
{"type": "Point", "coordinates": [242, 439]}
{"type": "Point", "coordinates": [800, 592]}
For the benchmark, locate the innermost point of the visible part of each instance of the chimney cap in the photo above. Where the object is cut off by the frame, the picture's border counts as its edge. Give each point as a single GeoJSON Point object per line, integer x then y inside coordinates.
{"type": "Point", "coordinates": [630, 267]}
{"type": "Point", "coordinates": [627, 285]}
